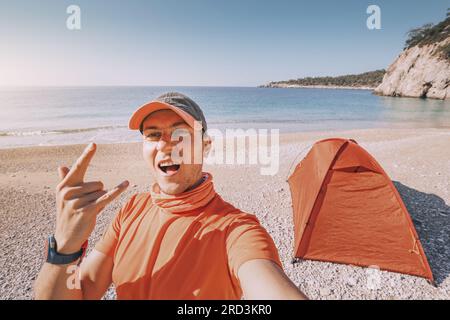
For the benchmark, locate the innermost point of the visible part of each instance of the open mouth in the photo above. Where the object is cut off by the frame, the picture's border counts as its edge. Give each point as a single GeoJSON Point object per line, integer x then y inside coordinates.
{"type": "Point", "coordinates": [169, 169]}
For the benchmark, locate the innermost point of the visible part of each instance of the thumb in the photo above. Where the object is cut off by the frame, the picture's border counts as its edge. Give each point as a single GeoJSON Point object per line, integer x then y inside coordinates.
{"type": "Point", "coordinates": [62, 172]}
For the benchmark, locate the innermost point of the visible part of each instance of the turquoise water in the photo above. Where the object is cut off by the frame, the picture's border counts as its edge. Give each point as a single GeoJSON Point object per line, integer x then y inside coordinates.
{"type": "Point", "coordinates": [49, 116]}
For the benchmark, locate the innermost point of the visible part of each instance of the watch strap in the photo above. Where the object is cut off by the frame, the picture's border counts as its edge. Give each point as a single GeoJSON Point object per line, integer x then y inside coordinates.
{"type": "Point", "coordinates": [54, 257]}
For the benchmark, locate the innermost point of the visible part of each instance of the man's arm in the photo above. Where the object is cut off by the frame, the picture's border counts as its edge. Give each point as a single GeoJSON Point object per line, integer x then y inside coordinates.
{"type": "Point", "coordinates": [68, 282]}
{"type": "Point", "coordinates": [263, 279]}
{"type": "Point", "coordinates": [77, 205]}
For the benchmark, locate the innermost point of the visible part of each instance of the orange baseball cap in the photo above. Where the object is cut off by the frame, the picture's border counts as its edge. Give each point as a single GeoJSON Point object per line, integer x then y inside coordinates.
{"type": "Point", "coordinates": [179, 103]}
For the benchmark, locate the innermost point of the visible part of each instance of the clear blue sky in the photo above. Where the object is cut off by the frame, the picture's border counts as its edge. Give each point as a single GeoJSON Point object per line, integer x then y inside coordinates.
{"type": "Point", "coordinates": [200, 42]}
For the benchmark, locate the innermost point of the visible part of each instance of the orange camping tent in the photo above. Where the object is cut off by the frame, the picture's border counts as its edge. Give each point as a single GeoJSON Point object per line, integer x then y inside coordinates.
{"type": "Point", "coordinates": [347, 210]}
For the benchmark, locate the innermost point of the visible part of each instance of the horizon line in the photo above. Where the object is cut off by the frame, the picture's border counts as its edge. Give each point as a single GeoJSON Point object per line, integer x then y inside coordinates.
{"type": "Point", "coordinates": [125, 85]}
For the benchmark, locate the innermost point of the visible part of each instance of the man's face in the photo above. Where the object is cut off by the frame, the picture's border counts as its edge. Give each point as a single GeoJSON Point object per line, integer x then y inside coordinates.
{"type": "Point", "coordinates": [173, 176]}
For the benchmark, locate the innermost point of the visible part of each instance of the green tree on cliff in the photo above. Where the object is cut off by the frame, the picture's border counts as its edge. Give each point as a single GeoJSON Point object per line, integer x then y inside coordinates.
{"type": "Point", "coordinates": [429, 33]}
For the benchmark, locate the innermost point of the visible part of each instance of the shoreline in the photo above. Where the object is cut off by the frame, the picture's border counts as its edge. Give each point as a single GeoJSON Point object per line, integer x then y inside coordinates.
{"type": "Point", "coordinates": [417, 160]}
{"type": "Point", "coordinates": [242, 126]}
{"type": "Point", "coordinates": [296, 86]}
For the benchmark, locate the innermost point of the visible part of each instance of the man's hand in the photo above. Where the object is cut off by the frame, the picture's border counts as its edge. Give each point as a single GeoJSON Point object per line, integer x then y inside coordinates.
{"type": "Point", "coordinates": [263, 279]}
{"type": "Point", "coordinates": [78, 203]}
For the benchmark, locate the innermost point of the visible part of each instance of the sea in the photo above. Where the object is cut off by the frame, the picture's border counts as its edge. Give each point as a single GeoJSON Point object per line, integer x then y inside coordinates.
{"type": "Point", "coordinates": [45, 116]}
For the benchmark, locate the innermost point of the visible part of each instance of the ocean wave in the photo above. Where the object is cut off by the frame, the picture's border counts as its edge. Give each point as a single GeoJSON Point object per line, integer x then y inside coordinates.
{"type": "Point", "coordinates": [293, 121]}
{"type": "Point", "coordinates": [22, 133]}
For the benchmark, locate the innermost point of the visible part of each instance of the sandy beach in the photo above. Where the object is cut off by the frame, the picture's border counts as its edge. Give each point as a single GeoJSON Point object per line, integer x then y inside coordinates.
{"type": "Point", "coordinates": [418, 160]}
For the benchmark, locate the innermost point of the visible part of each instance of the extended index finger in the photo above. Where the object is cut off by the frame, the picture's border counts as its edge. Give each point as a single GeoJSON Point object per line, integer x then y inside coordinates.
{"type": "Point", "coordinates": [78, 170]}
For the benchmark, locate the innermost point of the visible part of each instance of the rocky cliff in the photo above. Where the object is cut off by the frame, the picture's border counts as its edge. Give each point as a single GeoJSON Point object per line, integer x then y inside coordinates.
{"type": "Point", "coordinates": [420, 71]}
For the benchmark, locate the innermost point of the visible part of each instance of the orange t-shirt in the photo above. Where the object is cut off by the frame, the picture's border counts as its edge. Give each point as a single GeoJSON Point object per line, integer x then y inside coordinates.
{"type": "Point", "coordinates": [187, 246]}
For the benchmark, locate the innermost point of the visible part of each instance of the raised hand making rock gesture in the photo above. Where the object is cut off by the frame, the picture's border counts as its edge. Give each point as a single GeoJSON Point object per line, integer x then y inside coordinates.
{"type": "Point", "coordinates": [78, 203]}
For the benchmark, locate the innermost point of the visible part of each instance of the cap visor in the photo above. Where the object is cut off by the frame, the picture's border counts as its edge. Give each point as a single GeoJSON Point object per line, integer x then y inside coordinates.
{"type": "Point", "coordinates": [142, 112]}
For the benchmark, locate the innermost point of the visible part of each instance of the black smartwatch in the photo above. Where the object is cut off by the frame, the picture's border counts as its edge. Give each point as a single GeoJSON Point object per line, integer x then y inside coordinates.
{"type": "Point", "coordinates": [54, 257]}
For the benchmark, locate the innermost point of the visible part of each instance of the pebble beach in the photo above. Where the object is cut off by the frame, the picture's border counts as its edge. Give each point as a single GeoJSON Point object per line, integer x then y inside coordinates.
{"type": "Point", "coordinates": [417, 160]}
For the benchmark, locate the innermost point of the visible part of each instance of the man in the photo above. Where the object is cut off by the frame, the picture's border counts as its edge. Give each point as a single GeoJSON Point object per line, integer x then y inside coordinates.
{"type": "Point", "coordinates": [178, 241]}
